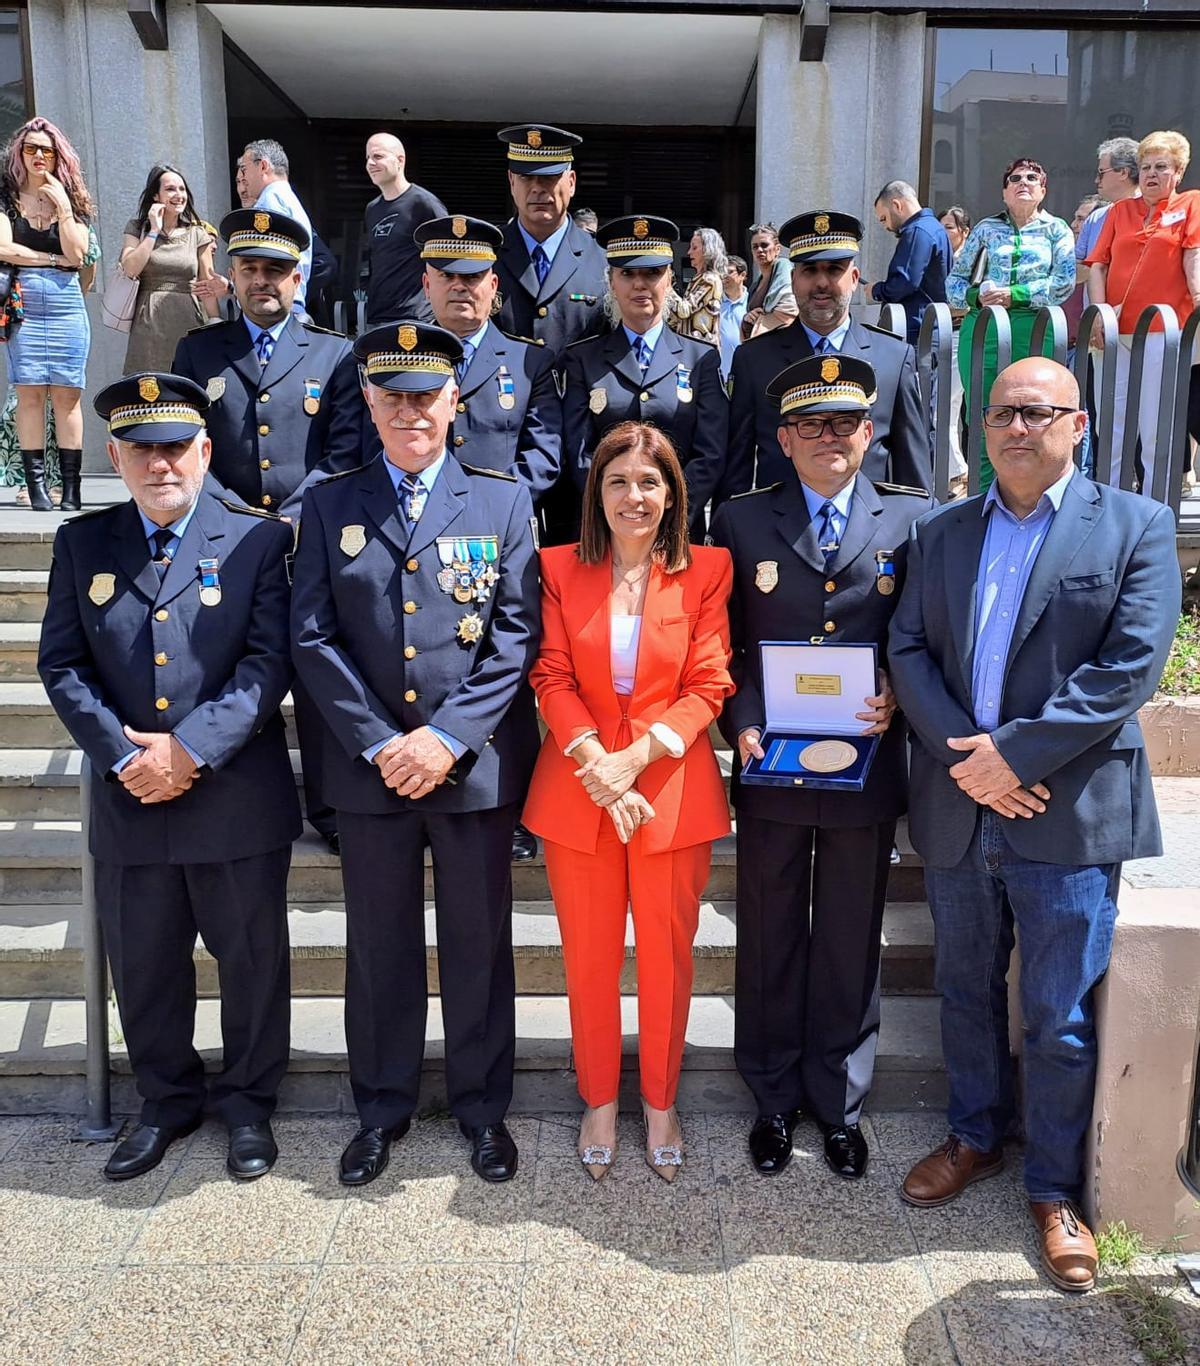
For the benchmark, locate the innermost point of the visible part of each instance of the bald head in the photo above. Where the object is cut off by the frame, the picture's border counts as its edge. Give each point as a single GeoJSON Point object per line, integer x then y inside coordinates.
{"type": "Point", "coordinates": [1032, 426]}
{"type": "Point", "coordinates": [1047, 376]}
{"type": "Point", "coordinates": [385, 164]}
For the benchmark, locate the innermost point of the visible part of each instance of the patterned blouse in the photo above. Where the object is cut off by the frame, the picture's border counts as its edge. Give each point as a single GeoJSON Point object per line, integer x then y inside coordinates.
{"type": "Point", "coordinates": [698, 313]}
{"type": "Point", "coordinates": [1037, 262]}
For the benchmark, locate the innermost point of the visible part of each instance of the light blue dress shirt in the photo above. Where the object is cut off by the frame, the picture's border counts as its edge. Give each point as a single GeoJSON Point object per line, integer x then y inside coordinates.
{"type": "Point", "coordinates": [428, 477]}
{"type": "Point", "coordinates": [1010, 550]}
{"type": "Point", "coordinates": [279, 196]}
{"type": "Point", "coordinates": [650, 336]}
{"type": "Point", "coordinates": [840, 500]}
{"type": "Point", "coordinates": [552, 243]}
{"type": "Point", "coordinates": [733, 313]}
{"type": "Point", "coordinates": [255, 331]}
{"type": "Point", "coordinates": [836, 338]}
{"type": "Point", "coordinates": [470, 345]}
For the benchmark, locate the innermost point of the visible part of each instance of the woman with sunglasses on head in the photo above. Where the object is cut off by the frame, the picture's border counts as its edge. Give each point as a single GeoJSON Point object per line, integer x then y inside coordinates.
{"type": "Point", "coordinates": [1021, 260]}
{"type": "Point", "coordinates": [44, 217]}
{"type": "Point", "coordinates": [772, 303]}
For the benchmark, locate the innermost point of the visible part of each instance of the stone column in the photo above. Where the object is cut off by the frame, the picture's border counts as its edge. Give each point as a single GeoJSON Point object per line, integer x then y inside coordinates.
{"type": "Point", "coordinates": [125, 109]}
{"type": "Point", "coordinates": [832, 133]}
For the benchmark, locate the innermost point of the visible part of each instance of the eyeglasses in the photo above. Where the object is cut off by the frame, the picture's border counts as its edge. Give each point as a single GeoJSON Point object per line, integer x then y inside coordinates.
{"type": "Point", "coordinates": [31, 149]}
{"type": "Point", "coordinates": [1034, 416]}
{"type": "Point", "coordinates": [1032, 177]}
{"type": "Point", "coordinates": [840, 424]}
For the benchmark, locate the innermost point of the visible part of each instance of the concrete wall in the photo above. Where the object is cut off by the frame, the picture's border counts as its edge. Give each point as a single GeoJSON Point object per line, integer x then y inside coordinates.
{"type": "Point", "coordinates": [831, 133]}
{"type": "Point", "coordinates": [125, 109]}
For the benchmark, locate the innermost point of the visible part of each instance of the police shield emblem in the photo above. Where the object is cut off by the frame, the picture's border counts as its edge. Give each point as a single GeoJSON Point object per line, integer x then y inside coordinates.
{"type": "Point", "coordinates": [598, 400]}
{"type": "Point", "coordinates": [821, 223]}
{"type": "Point", "coordinates": [262, 222]}
{"type": "Point", "coordinates": [148, 388]}
{"type": "Point", "coordinates": [766, 575]}
{"type": "Point", "coordinates": [533, 138]}
{"type": "Point", "coordinates": [103, 586]}
{"type": "Point", "coordinates": [354, 538]}
{"type": "Point", "coordinates": [640, 227]}
{"type": "Point", "coordinates": [459, 227]}
{"type": "Point", "coordinates": [215, 388]}
{"type": "Point", "coordinates": [406, 337]}
{"type": "Point", "coordinates": [830, 370]}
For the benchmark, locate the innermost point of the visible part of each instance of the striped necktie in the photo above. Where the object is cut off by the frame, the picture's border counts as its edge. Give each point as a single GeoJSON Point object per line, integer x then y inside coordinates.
{"type": "Point", "coordinates": [162, 560]}
{"type": "Point", "coordinates": [412, 499]}
{"type": "Point", "coordinates": [827, 537]}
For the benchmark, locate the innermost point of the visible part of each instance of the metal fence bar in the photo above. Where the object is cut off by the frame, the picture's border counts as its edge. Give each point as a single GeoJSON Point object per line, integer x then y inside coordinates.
{"type": "Point", "coordinates": [893, 319]}
{"type": "Point", "coordinates": [97, 1125]}
{"type": "Point", "coordinates": [1173, 465]}
{"type": "Point", "coordinates": [339, 316]}
{"type": "Point", "coordinates": [1051, 319]}
{"type": "Point", "coordinates": [935, 375]}
{"type": "Point", "coordinates": [993, 316]}
{"type": "Point", "coordinates": [1086, 360]}
{"type": "Point", "coordinates": [1133, 394]}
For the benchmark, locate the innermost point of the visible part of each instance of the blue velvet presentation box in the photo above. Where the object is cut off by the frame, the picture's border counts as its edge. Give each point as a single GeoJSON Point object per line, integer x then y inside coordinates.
{"type": "Point", "coordinates": [810, 693]}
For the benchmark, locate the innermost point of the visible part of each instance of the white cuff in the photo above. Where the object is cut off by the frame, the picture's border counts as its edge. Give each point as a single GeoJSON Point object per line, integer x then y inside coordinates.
{"type": "Point", "coordinates": [579, 739]}
{"type": "Point", "coordinates": [670, 741]}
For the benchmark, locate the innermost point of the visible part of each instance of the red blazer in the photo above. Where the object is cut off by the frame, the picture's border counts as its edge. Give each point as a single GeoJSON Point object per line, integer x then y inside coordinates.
{"type": "Point", "coordinates": [682, 679]}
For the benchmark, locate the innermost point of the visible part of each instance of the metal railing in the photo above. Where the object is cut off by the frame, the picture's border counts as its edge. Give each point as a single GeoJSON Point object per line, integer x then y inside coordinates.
{"type": "Point", "coordinates": [97, 1125]}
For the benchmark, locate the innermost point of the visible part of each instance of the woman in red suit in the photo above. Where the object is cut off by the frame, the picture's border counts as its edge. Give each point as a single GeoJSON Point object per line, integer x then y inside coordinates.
{"type": "Point", "coordinates": [627, 794]}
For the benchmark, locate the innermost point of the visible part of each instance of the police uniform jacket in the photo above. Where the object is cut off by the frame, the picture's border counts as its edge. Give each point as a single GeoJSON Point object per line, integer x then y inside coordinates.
{"type": "Point", "coordinates": [844, 604]}
{"type": "Point", "coordinates": [119, 648]}
{"type": "Point", "coordinates": [379, 645]}
{"type": "Point", "coordinates": [509, 413]}
{"type": "Point", "coordinates": [568, 305]}
{"type": "Point", "coordinates": [900, 447]}
{"type": "Point", "coordinates": [681, 393]}
{"type": "Point", "coordinates": [270, 425]}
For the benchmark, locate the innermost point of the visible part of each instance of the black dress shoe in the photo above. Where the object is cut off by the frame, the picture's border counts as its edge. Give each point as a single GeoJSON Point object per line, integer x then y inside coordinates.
{"type": "Point", "coordinates": [144, 1149]}
{"type": "Point", "coordinates": [493, 1152]}
{"type": "Point", "coordinates": [333, 842]}
{"type": "Point", "coordinates": [524, 845]}
{"type": "Point", "coordinates": [845, 1150]}
{"type": "Point", "coordinates": [367, 1153]}
{"type": "Point", "coordinates": [252, 1150]}
{"type": "Point", "coordinates": [771, 1141]}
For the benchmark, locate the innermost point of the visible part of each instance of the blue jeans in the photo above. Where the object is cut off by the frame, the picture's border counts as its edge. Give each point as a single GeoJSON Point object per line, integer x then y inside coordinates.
{"type": "Point", "coordinates": [1064, 915]}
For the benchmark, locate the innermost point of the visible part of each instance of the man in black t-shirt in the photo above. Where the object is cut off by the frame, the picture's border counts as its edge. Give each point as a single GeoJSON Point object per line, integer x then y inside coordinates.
{"type": "Point", "coordinates": [394, 287]}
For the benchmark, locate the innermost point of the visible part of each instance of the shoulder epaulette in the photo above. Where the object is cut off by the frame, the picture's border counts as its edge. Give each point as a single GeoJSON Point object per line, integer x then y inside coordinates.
{"type": "Point", "coordinates": [324, 331]}
{"type": "Point", "coordinates": [881, 487]}
{"type": "Point", "coordinates": [205, 327]}
{"type": "Point", "coordinates": [883, 332]}
{"type": "Point", "coordinates": [516, 336]}
{"type": "Point", "coordinates": [767, 488]}
{"type": "Point", "coordinates": [249, 511]}
{"type": "Point", "coordinates": [93, 512]}
{"type": "Point", "coordinates": [583, 341]}
{"type": "Point", "coordinates": [341, 474]}
{"type": "Point", "coordinates": [489, 474]}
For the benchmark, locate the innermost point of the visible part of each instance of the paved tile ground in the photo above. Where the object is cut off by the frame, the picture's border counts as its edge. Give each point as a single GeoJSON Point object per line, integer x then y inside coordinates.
{"type": "Point", "coordinates": [430, 1265]}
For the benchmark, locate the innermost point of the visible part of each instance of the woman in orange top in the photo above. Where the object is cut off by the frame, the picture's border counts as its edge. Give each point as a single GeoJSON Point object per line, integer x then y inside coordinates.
{"type": "Point", "coordinates": [1148, 252]}
{"type": "Point", "coordinates": [626, 793]}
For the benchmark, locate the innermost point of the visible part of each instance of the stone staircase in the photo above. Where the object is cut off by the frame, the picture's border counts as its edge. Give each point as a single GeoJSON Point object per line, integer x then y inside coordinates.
{"type": "Point", "coordinates": [41, 1007]}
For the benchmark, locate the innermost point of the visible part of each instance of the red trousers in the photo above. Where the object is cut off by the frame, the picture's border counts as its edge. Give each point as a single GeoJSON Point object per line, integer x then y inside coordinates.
{"type": "Point", "coordinates": [592, 895]}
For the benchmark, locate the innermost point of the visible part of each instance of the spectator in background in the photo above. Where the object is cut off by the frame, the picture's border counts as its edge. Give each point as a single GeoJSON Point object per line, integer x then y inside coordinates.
{"type": "Point", "coordinates": [1073, 309]}
{"type": "Point", "coordinates": [1148, 253]}
{"type": "Point", "coordinates": [263, 170]}
{"type": "Point", "coordinates": [587, 220]}
{"type": "Point", "coordinates": [957, 222]}
{"type": "Point", "coordinates": [733, 310]}
{"type": "Point", "coordinates": [923, 257]}
{"type": "Point", "coordinates": [1116, 179]}
{"type": "Point", "coordinates": [698, 313]}
{"type": "Point", "coordinates": [772, 303]}
{"type": "Point", "coordinates": [393, 257]}
{"type": "Point", "coordinates": [1021, 260]}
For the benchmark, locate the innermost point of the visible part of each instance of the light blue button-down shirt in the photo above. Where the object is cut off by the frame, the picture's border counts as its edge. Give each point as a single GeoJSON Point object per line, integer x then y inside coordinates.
{"type": "Point", "coordinates": [840, 500]}
{"type": "Point", "coordinates": [733, 311]}
{"type": "Point", "coordinates": [1010, 550]}
{"type": "Point", "coordinates": [552, 243]}
{"type": "Point", "coordinates": [650, 336]}
{"type": "Point", "coordinates": [470, 345]}
{"type": "Point", "coordinates": [428, 477]}
{"type": "Point", "coordinates": [256, 331]}
{"type": "Point", "coordinates": [836, 338]}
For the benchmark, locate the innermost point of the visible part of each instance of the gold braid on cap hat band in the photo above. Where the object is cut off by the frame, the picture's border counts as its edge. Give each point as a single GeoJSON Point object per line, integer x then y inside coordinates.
{"type": "Point", "coordinates": [408, 362]}
{"type": "Point", "coordinates": [130, 415]}
{"type": "Point", "coordinates": [633, 246]}
{"type": "Point", "coordinates": [453, 249]}
{"type": "Point", "coordinates": [801, 246]}
{"type": "Point", "coordinates": [245, 241]}
{"type": "Point", "coordinates": [805, 395]}
{"type": "Point", "coordinates": [518, 151]}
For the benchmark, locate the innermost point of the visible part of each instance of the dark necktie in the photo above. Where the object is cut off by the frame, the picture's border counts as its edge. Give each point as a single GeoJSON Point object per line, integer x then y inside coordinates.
{"type": "Point", "coordinates": [162, 561]}
{"type": "Point", "coordinates": [541, 263]}
{"type": "Point", "coordinates": [264, 346]}
{"type": "Point", "coordinates": [412, 499]}
{"type": "Point", "coordinates": [641, 353]}
{"type": "Point", "coordinates": [827, 538]}
{"type": "Point", "coordinates": [461, 367]}
{"type": "Point", "coordinates": [824, 347]}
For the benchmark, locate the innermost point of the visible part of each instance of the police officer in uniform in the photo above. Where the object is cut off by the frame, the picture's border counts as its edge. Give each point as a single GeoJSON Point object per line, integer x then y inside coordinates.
{"type": "Point", "coordinates": [509, 415]}
{"type": "Point", "coordinates": [824, 248]}
{"type": "Point", "coordinates": [415, 619]}
{"type": "Point", "coordinates": [165, 652]}
{"type": "Point", "coordinates": [644, 372]}
{"type": "Point", "coordinates": [284, 395]}
{"type": "Point", "coordinates": [817, 556]}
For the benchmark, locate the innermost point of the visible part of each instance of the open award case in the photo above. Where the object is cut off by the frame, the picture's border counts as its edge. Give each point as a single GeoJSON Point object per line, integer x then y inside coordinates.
{"type": "Point", "coordinates": [812, 737]}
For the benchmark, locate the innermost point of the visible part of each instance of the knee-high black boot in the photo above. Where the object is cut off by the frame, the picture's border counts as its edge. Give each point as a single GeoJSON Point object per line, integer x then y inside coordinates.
{"type": "Point", "coordinates": [34, 463]}
{"type": "Point", "coordinates": [71, 463]}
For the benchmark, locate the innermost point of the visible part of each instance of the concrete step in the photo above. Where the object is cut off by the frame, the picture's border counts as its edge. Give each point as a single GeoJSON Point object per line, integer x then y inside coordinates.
{"type": "Point", "coordinates": [41, 955]}
{"type": "Point", "coordinates": [23, 594]}
{"type": "Point", "coordinates": [42, 1056]}
{"type": "Point", "coordinates": [18, 651]}
{"type": "Point", "coordinates": [40, 862]}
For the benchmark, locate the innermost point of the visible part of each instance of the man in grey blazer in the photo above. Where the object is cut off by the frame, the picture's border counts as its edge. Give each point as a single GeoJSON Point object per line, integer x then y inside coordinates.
{"type": "Point", "coordinates": [1034, 622]}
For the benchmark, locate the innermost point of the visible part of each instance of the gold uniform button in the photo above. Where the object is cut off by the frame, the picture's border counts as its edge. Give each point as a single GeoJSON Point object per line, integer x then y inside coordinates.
{"type": "Point", "coordinates": [160, 658]}
{"type": "Point", "coordinates": [161, 703]}
{"type": "Point", "coordinates": [409, 608]}
{"type": "Point", "coordinates": [264, 464]}
{"type": "Point", "coordinates": [266, 500]}
{"type": "Point", "coordinates": [543, 311]}
{"type": "Point", "coordinates": [410, 652]}
{"type": "Point", "coordinates": [830, 585]}
{"type": "Point", "coordinates": [541, 341]}
{"type": "Point", "coordinates": [412, 566]}
{"type": "Point", "coordinates": [462, 408]}
{"type": "Point", "coordinates": [162, 614]}
{"type": "Point", "coordinates": [410, 695]}
{"type": "Point", "coordinates": [264, 430]}
{"type": "Point", "coordinates": [831, 626]}
{"type": "Point", "coordinates": [458, 440]}
{"type": "Point", "coordinates": [644, 396]}
{"type": "Point", "coordinates": [264, 398]}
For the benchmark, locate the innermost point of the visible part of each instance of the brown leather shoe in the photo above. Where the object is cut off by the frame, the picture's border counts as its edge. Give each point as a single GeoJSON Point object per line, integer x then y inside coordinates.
{"type": "Point", "coordinates": [947, 1172]}
{"type": "Point", "coordinates": [1068, 1248]}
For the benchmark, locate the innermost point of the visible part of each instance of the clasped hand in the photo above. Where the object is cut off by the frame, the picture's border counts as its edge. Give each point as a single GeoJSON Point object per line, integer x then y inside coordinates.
{"type": "Point", "coordinates": [984, 775]}
{"type": "Point", "coordinates": [607, 777]}
{"type": "Point", "coordinates": [163, 770]}
{"type": "Point", "coordinates": [413, 765]}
